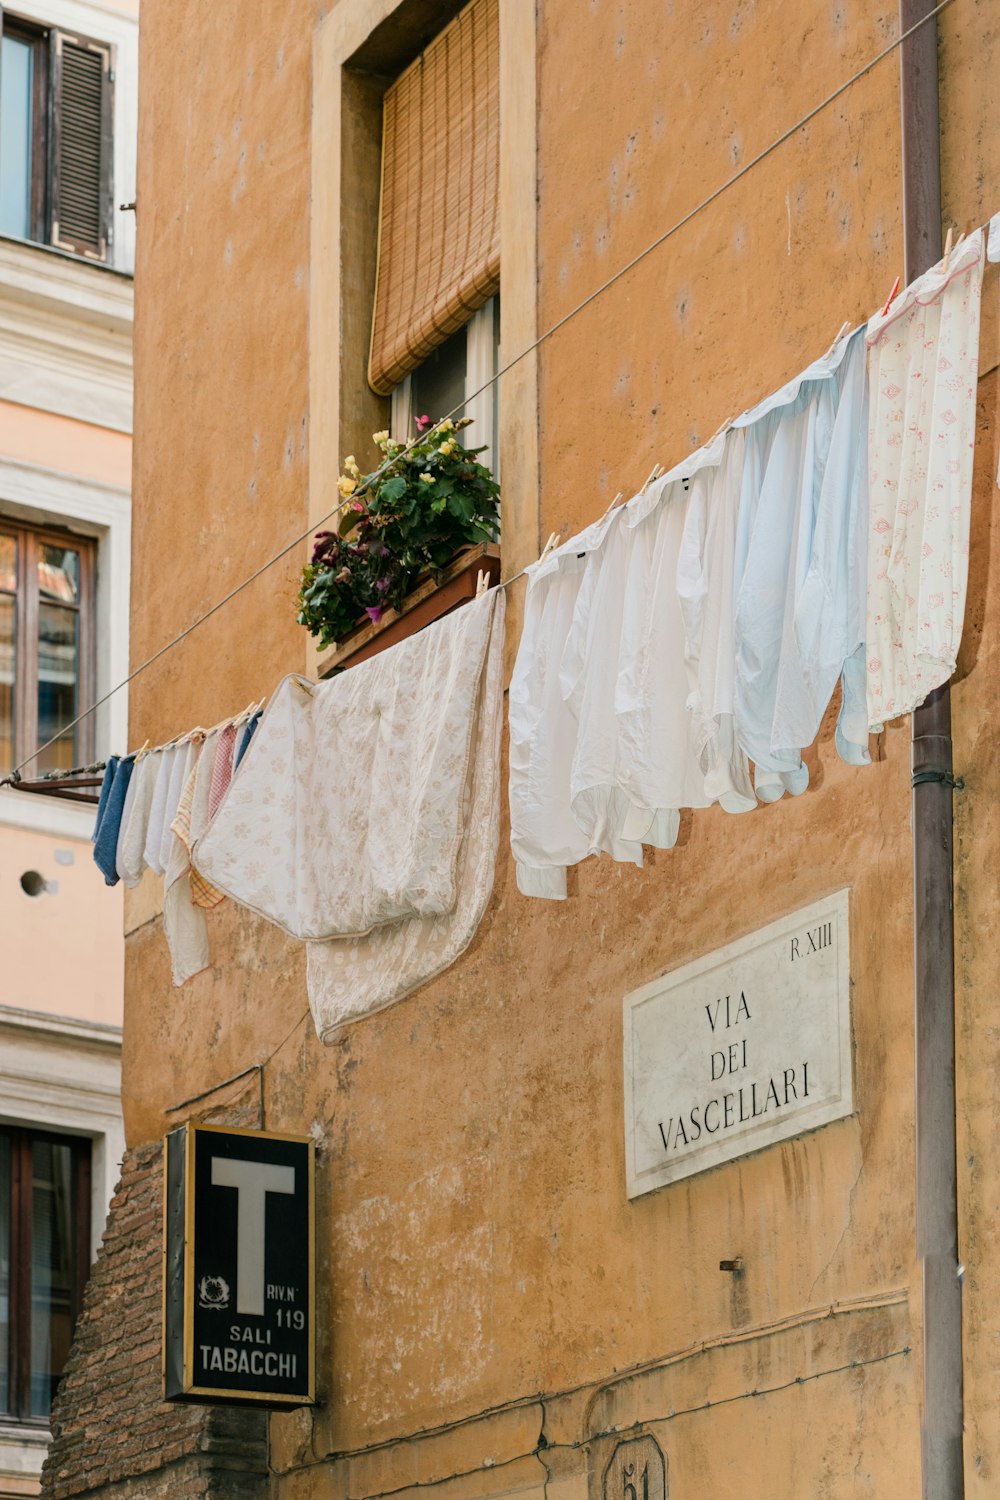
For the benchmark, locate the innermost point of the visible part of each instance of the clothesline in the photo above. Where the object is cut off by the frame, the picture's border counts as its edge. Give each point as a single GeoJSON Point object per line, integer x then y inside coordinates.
{"type": "Point", "coordinates": [821, 536]}
{"type": "Point", "coordinates": [553, 328]}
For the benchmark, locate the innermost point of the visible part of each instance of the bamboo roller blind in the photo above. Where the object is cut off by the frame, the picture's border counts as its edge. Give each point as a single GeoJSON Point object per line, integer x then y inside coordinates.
{"type": "Point", "coordinates": [439, 216]}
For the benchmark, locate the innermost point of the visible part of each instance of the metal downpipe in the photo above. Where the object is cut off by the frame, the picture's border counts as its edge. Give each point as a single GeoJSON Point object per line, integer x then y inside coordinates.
{"type": "Point", "coordinates": [942, 1459]}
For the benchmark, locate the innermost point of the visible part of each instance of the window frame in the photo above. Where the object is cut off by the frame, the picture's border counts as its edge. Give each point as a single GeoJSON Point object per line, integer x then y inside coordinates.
{"type": "Point", "coordinates": [22, 1137]}
{"type": "Point", "coordinates": [48, 42]}
{"type": "Point", "coordinates": [482, 360]}
{"type": "Point", "coordinates": [28, 542]}
{"type": "Point", "coordinates": [37, 37]}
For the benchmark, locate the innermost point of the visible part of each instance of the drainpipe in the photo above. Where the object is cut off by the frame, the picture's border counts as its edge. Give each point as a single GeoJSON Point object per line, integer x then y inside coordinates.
{"type": "Point", "coordinates": [934, 929]}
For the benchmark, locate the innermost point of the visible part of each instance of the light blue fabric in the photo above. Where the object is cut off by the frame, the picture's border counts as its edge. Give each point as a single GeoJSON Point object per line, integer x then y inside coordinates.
{"type": "Point", "coordinates": [106, 843]}
{"type": "Point", "coordinates": [109, 775]}
{"type": "Point", "coordinates": [800, 569]}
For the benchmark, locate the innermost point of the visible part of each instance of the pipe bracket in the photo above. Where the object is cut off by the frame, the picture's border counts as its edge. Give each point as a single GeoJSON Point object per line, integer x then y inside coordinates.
{"type": "Point", "coordinates": [919, 778]}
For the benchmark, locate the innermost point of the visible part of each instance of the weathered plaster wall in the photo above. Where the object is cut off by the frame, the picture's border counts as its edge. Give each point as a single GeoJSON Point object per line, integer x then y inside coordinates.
{"type": "Point", "coordinates": [476, 1243]}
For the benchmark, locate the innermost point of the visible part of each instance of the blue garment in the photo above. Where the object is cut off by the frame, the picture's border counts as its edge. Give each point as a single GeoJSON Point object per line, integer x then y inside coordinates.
{"type": "Point", "coordinates": [245, 738]}
{"type": "Point", "coordinates": [800, 568]}
{"type": "Point", "coordinates": [102, 801]}
{"type": "Point", "coordinates": [106, 842]}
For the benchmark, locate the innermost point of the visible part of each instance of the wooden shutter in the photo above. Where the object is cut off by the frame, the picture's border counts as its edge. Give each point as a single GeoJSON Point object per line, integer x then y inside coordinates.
{"type": "Point", "coordinates": [81, 168]}
{"type": "Point", "coordinates": [439, 219]}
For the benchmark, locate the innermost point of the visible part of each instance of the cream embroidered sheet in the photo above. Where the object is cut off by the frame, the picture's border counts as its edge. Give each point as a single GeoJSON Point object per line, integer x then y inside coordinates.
{"type": "Point", "coordinates": [364, 818]}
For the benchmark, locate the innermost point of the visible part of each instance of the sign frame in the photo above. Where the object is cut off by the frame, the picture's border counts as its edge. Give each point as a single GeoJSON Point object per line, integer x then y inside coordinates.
{"type": "Point", "coordinates": [833, 908]}
{"type": "Point", "coordinates": [179, 1247]}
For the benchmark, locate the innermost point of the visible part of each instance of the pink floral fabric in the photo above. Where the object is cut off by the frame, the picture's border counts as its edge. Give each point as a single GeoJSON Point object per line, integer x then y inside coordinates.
{"type": "Point", "coordinates": [923, 367]}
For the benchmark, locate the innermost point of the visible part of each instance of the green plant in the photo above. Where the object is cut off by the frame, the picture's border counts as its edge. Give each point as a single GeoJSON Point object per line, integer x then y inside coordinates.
{"type": "Point", "coordinates": [411, 515]}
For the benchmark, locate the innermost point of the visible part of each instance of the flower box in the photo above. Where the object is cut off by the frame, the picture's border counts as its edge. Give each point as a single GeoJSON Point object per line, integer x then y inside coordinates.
{"type": "Point", "coordinates": [431, 600]}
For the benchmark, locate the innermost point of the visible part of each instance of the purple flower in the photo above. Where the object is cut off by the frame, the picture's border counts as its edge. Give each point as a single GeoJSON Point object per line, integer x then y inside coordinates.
{"type": "Point", "coordinates": [374, 612]}
{"type": "Point", "coordinates": [382, 584]}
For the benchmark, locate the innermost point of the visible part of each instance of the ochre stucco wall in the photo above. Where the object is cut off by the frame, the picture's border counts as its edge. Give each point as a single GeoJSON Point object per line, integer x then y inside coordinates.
{"type": "Point", "coordinates": [476, 1244]}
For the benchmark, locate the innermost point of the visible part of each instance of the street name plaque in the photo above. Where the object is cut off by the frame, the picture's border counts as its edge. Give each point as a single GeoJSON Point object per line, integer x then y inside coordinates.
{"type": "Point", "coordinates": [742, 1048]}
{"type": "Point", "coordinates": [238, 1296]}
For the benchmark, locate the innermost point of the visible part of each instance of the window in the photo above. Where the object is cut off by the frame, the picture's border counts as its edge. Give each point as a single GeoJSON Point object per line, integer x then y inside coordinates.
{"type": "Point", "coordinates": [450, 377]}
{"type": "Point", "coordinates": [55, 138]}
{"type": "Point", "coordinates": [46, 646]}
{"type": "Point", "coordinates": [44, 1260]}
{"type": "Point", "coordinates": [436, 313]}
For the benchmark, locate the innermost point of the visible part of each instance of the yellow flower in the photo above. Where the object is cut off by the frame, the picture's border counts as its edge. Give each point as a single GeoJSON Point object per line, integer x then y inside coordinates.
{"type": "Point", "coordinates": [447, 426]}
{"type": "Point", "coordinates": [381, 437]}
{"type": "Point", "coordinates": [346, 486]}
{"type": "Point", "coordinates": [446, 448]}
{"type": "Point", "coordinates": [351, 465]}
{"type": "Point", "coordinates": [427, 478]}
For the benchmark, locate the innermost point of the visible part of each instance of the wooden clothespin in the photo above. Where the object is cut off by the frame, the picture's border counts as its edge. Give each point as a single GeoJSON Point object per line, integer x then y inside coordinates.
{"type": "Point", "coordinates": [845, 327]}
{"type": "Point", "coordinates": [619, 497]}
{"type": "Point", "coordinates": [550, 545]}
{"type": "Point", "coordinates": [891, 297]}
{"type": "Point", "coordinates": [657, 470]}
{"type": "Point", "coordinates": [482, 583]}
{"type": "Point", "coordinates": [721, 428]}
{"type": "Point", "coordinates": [141, 752]}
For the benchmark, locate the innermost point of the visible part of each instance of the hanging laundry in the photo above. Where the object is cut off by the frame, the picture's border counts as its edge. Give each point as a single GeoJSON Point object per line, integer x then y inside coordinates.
{"type": "Point", "coordinates": [924, 361]}
{"type": "Point", "coordinates": [184, 924]}
{"type": "Point", "coordinates": [110, 768]}
{"type": "Point", "coordinates": [130, 859]}
{"type": "Point", "coordinates": [157, 818]}
{"type": "Point", "coordinates": [993, 246]}
{"type": "Point", "coordinates": [705, 591]}
{"type": "Point", "coordinates": [372, 762]}
{"type": "Point", "coordinates": [799, 572]}
{"type": "Point", "coordinates": [670, 758]}
{"type": "Point", "coordinates": [246, 735]}
{"type": "Point", "coordinates": [588, 674]}
{"type": "Point", "coordinates": [352, 810]}
{"type": "Point", "coordinates": [222, 768]}
{"type": "Point", "coordinates": [545, 836]}
{"type": "Point", "coordinates": [106, 843]}
{"type": "Point", "coordinates": [203, 893]}
{"type": "Point", "coordinates": [354, 978]}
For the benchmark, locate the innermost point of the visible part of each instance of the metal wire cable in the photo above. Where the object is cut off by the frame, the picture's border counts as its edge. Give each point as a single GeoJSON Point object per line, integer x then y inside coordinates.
{"type": "Point", "coordinates": [542, 338]}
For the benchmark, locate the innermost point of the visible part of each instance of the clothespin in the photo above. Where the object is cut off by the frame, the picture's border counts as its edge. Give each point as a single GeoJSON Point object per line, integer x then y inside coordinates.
{"type": "Point", "coordinates": [890, 298]}
{"type": "Point", "coordinates": [307, 687]}
{"type": "Point", "coordinates": [947, 249]}
{"type": "Point", "coordinates": [614, 502]}
{"type": "Point", "coordinates": [657, 470]}
{"type": "Point", "coordinates": [482, 583]}
{"type": "Point", "coordinates": [140, 753]}
{"type": "Point", "coordinates": [721, 428]}
{"type": "Point", "coordinates": [844, 328]}
{"type": "Point", "coordinates": [550, 545]}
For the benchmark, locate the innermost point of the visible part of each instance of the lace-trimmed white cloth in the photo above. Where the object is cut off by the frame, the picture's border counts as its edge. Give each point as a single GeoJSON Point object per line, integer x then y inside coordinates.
{"type": "Point", "coordinates": [923, 366]}
{"type": "Point", "coordinates": [367, 806]}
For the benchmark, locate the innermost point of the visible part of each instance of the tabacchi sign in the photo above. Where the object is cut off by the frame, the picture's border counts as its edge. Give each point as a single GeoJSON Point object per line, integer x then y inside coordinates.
{"type": "Point", "coordinates": [747, 1046]}
{"type": "Point", "coordinates": [239, 1269]}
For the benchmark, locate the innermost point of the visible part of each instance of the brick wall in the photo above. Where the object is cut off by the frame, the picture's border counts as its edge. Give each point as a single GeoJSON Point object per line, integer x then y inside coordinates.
{"type": "Point", "coordinates": [112, 1433]}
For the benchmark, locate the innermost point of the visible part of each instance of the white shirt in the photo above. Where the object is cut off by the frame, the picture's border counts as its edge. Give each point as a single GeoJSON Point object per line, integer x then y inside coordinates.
{"type": "Point", "coordinates": [705, 591]}
{"type": "Point", "coordinates": [545, 837]}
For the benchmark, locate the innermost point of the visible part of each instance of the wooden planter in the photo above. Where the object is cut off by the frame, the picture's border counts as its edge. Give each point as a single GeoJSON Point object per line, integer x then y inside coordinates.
{"type": "Point", "coordinates": [431, 600]}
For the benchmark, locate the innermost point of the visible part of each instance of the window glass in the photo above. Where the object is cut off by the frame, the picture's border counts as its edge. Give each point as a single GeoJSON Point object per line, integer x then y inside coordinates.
{"type": "Point", "coordinates": [439, 384]}
{"type": "Point", "coordinates": [5, 1200]}
{"type": "Point", "coordinates": [51, 1269]}
{"type": "Point", "coordinates": [16, 77]}
{"type": "Point", "coordinates": [57, 685]}
{"type": "Point", "coordinates": [8, 659]}
{"type": "Point", "coordinates": [59, 574]}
